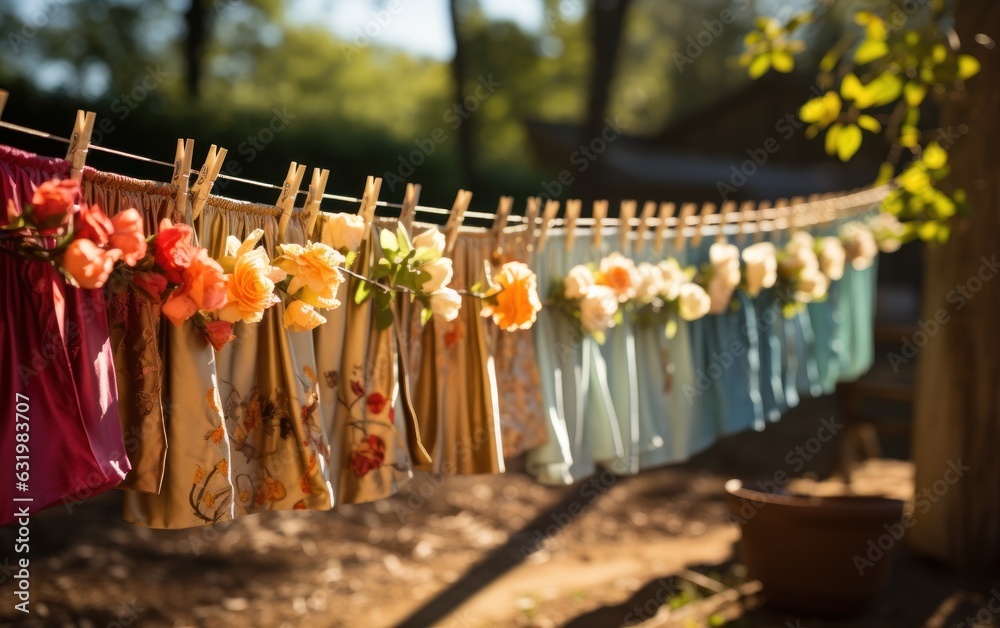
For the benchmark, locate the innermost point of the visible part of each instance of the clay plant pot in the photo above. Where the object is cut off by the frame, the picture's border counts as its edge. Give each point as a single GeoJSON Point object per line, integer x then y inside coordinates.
{"type": "Point", "coordinates": [816, 555]}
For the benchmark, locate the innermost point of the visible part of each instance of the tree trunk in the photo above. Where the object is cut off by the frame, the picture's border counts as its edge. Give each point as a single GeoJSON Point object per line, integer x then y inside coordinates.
{"type": "Point", "coordinates": [957, 423]}
{"type": "Point", "coordinates": [466, 130]}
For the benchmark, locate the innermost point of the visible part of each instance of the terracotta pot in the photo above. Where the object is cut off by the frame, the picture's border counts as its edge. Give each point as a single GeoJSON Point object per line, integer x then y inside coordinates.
{"type": "Point", "coordinates": [817, 555]}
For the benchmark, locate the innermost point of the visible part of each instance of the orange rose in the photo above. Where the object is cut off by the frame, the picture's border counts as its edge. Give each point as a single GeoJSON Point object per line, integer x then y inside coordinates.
{"type": "Point", "coordinates": [89, 264]}
{"type": "Point", "coordinates": [314, 271]}
{"type": "Point", "coordinates": [620, 274]}
{"type": "Point", "coordinates": [53, 201]}
{"type": "Point", "coordinates": [515, 292]}
{"type": "Point", "coordinates": [128, 236]}
{"type": "Point", "coordinates": [172, 249]}
{"type": "Point", "coordinates": [250, 290]}
{"type": "Point", "coordinates": [93, 224]}
{"type": "Point", "coordinates": [300, 316]}
{"type": "Point", "coordinates": [203, 287]}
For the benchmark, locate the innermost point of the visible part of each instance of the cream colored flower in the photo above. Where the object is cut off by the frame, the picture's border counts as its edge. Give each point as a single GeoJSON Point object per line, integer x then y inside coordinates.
{"type": "Point", "coordinates": [673, 278]}
{"type": "Point", "coordinates": [579, 279]}
{"type": "Point", "coordinates": [798, 259]}
{"type": "Point", "coordinates": [315, 273]}
{"type": "Point", "coordinates": [725, 261]}
{"type": "Point", "coordinates": [888, 232]}
{"type": "Point", "coordinates": [693, 302]}
{"type": "Point", "coordinates": [860, 246]}
{"type": "Point", "coordinates": [620, 274]}
{"type": "Point", "coordinates": [760, 267]}
{"type": "Point", "coordinates": [800, 240]}
{"type": "Point", "coordinates": [811, 285]}
{"type": "Point", "coordinates": [831, 257]}
{"type": "Point", "coordinates": [430, 239]}
{"type": "Point", "coordinates": [441, 272]}
{"type": "Point", "coordinates": [344, 232]}
{"type": "Point", "coordinates": [598, 308]}
{"type": "Point", "coordinates": [445, 304]}
{"type": "Point", "coordinates": [650, 282]}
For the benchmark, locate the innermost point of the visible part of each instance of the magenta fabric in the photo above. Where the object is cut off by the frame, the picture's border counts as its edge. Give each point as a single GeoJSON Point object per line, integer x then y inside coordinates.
{"type": "Point", "coordinates": [55, 349]}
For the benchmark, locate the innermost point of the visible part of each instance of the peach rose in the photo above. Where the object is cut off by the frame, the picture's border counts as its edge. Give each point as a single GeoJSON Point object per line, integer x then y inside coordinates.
{"type": "Point", "coordinates": [89, 264]}
{"type": "Point", "coordinates": [579, 279]}
{"type": "Point", "coordinates": [249, 290]}
{"type": "Point", "coordinates": [314, 271]}
{"type": "Point", "coordinates": [344, 231]}
{"type": "Point", "coordinates": [598, 308]}
{"type": "Point", "coordinates": [431, 239]}
{"type": "Point", "coordinates": [203, 287]}
{"type": "Point", "coordinates": [693, 302]}
{"type": "Point", "coordinates": [172, 249]}
{"type": "Point", "coordinates": [300, 316]}
{"type": "Point", "coordinates": [760, 267]}
{"type": "Point", "coordinates": [93, 224]}
{"type": "Point", "coordinates": [515, 292]}
{"type": "Point", "coordinates": [620, 274]}
{"type": "Point", "coordinates": [673, 278]}
{"type": "Point", "coordinates": [128, 236]}
{"type": "Point", "coordinates": [53, 201]}
{"type": "Point", "coordinates": [441, 272]}
{"type": "Point", "coordinates": [831, 257]}
{"type": "Point", "coordinates": [860, 245]}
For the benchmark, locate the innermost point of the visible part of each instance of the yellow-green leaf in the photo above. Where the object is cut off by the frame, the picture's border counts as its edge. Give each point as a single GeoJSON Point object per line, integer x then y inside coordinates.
{"type": "Point", "coordinates": [760, 65]}
{"type": "Point", "coordinates": [885, 173]}
{"type": "Point", "coordinates": [914, 93]}
{"type": "Point", "coordinates": [851, 88]}
{"type": "Point", "coordinates": [870, 50]}
{"type": "Point", "coordinates": [848, 141]}
{"type": "Point", "coordinates": [829, 60]}
{"type": "Point", "coordinates": [928, 230]}
{"type": "Point", "coordinates": [869, 123]}
{"type": "Point", "coordinates": [782, 61]}
{"type": "Point", "coordinates": [831, 139]}
{"type": "Point", "coordinates": [388, 241]}
{"type": "Point", "coordinates": [968, 66]}
{"type": "Point", "coordinates": [935, 157]}
{"type": "Point", "coordinates": [884, 89]}
{"type": "Point", "coordinates": [939, 53]}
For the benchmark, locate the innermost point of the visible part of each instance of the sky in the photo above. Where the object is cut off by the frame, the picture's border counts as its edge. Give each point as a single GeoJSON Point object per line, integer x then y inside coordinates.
{"type": "Point", "coordinates": [421, 27]}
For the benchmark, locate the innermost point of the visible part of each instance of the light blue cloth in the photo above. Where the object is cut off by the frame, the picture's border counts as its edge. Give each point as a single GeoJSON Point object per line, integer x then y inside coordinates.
{"type": "Point", "coordinates": [581, 420]}
{"type": "Point", "coordinates": [856, 306]}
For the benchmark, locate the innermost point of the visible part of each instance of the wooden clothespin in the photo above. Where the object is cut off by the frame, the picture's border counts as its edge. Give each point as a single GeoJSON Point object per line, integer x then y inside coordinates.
{"type": "Point", "coordinates": [500, 223]}
{"type": "Point", "coordinates": [600, 212]}
{"type": "Point", "coordinates": [79, 143]}
{"type": "Point", "coordinates": [666, 213]}
{"type": "Point", "coordinates": [458, 208]}
{"type": "Point", "coordinates": [206, 179]}
{"type": "Point", "coordinates": [745, 214]}
{"type": "Point", "coordinates": [763, 221]}
{"type": "Point", "coordinates": [289, 190]}
{"type": "Point", "coordinates": [781, 214]}
{"type": "Point", "coordinates": [3, 100]}
{"type": "Point", "coordinates": [706, 210]}
{"type": "Point", "coordinates": [530, 218]}
{"type": "Point", "coordinates": [687, 210]}
{"type": "Point", "coordinates": [725, 212]}
{"type": "Point", "coordinates": [572, 213]}
{"type": "Point", "coordinates": [369, 201]}
{"type": "Point", "coordinates": [409, 209]}
{"type": "Point", "coordinates": [182, 173]}
{"type": "Point", "coordinates": [551, 209]}
{"type": "Point", "coordinates": [640, 233]}
{"type": "Point", "coordinates": [314, 198]}
{"type": "Point", "coordinates": [626, 214]}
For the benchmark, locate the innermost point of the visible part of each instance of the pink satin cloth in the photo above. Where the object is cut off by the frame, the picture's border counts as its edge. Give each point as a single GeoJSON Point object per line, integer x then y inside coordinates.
{"type": "Point", "coordinates": [56, 361]}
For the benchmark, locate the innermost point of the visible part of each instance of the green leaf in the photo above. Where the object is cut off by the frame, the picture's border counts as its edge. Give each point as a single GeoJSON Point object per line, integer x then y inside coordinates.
{"type": "Point", "coordinates": [885, 173]}
{"type": "Point", "coordinates": [383, 317]}
{"type": "Point", "coordinates": [670, 330]}
{"type": "Point", "coordinates": [760, 65]}
{"type": "Point", "coordinates": [599, 337]}
{"type": "Point", "coordinates": [928, 231]}
{"type": "Point", "coordinates": [350, 257]}
{"type": "Point", "coordinates": [782, 61]}
{"type": "Point", "coordinates": [870, 50]}
{"type": "Point", "coordinates": [425, 315]}
{"type": "Point", "coordinates": [869, 123]}
{"type": "Point", "coordinates": [851, 87]}
{"type": "Point", "coordinates": [934, 156]}
{"type": "Point", "coordinates": [914, 93]}
{"type": "Point", "coordinates": [968, 66]}
{"type": "Point", "coordinates": [363, 292]}
{"type": "Point", "coordinates": [388, 241]}
{"type": "Point", "coordinates": [848, 141]}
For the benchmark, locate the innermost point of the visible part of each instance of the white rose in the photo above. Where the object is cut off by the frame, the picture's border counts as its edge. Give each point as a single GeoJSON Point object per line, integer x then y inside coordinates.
{"type": "Point", "coordinates": [860, 246]}
{"type": "Point", "coordinates": [430, 239]}
{"type": "Point", "coordinates": [440, 271]}
{"type": "Point", "coordinates": [650, 282]}
{"type": "Point", "coordinates": [673, 278]}
{"type": "Point", "coordinates": [812, 285]}
{"type": "Point", "coordinates": [692, 301]}
{"type": "Point", "coordinates": [800, 240]}
{"type": "Point", "coordinates": [888, 232]}
{"type": "Point", "coordinates": [798, 260]}
{"type": "Point", "coordinates": [831, 258]}
{"type": "Point", "coordinates": [725, 260]}
{"type": "Point", "coordinates": [579, 279]}
{"type": "Point", "coordinates": [598, 308]}
{"type": "Point", "coordinates": [445, 304]}
{"type": "Point", "coordinates": [344, 231]}
{"type": "Point", "coordinates": [760, 267]}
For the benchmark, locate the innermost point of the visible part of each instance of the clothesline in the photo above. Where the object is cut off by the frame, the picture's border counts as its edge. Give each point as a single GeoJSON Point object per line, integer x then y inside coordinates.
{"type": "Point", "coordinates": [764, 218]}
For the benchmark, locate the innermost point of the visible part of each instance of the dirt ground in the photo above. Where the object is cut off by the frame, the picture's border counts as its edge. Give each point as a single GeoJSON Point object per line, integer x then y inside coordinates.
{"type": "Point", "coordinates": [465, 552]}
